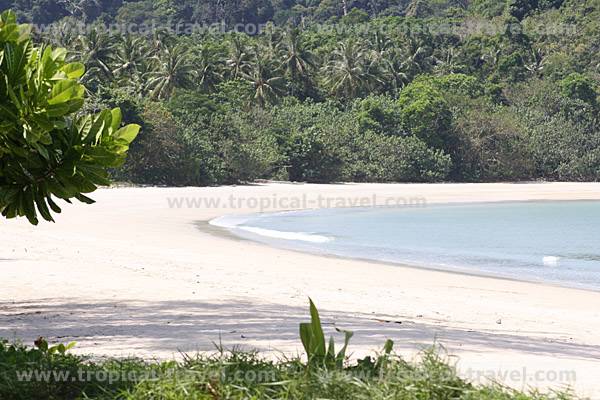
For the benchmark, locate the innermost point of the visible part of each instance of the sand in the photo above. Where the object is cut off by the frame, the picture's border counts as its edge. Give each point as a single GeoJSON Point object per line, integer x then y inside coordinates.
{"type": "Point", "coordinates": [137, 274]}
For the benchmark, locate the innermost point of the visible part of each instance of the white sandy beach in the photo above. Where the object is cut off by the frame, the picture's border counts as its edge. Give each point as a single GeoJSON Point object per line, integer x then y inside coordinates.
{"type": "Point", "coordinates": [133, 274]}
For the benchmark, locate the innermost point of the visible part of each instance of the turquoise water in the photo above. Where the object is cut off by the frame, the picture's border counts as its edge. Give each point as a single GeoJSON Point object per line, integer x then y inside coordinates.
{"type": "Point", "coordinates": [555, 242]}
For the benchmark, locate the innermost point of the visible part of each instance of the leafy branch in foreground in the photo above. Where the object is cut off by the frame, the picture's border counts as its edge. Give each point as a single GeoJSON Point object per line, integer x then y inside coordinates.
{"type": "Point", "coordinates": [46, 149]}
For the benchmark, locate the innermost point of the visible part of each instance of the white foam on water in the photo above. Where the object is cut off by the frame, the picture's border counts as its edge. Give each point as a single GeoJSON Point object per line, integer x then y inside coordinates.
{"type": "Point", "coordinates": [235, 222]}
{"type": "Point", "coordinates": [301, 236]}
{"type": "Point", "coordinates": [229, 221]}
{"type": "Point", "coordinates": [551, 261]}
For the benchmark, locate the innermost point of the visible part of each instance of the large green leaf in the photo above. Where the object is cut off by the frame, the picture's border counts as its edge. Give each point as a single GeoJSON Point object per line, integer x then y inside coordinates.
{"type": "Point", "coordinates": [116, 119]}
{"type": "Point", "coordinates": [64, 91]}
{"type": "Point", "coordinates": [73, 70]}
{"type": "Point", "coordinates": [317, 329]}
{"type": "Point", "coordinates": [305, 337]}
{"type": "Point", "coordinates": [127, 133]}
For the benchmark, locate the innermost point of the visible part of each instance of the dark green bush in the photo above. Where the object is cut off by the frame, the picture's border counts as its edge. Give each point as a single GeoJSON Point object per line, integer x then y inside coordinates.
{"type": "Point", "coordinates": [425, 113]}
{"type": "Point", "coordinates": [157, 157]}
{"type": "Point", "coordinates": [579, 87]}
{"type": "Point", "coordinates": [380, 114]}
{"type": "Point", "coordinates": [384, 158]}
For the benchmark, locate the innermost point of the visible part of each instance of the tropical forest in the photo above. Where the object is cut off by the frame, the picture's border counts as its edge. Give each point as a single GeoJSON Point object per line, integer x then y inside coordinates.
{"type": "Point", "coordinates": [339, 90]}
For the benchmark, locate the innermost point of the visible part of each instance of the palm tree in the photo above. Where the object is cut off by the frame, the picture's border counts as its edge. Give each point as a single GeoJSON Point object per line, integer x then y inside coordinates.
{"type": "Point", "coordinates": [132, 63]}
{"type": "Point", "coordinates": [389, 59]}
{"type": "Point", "coordinates": [271, 38]}
{"type": "Point", "coordinates": [536, 62]}
{"type": "Point", "coordinates": [395, 68]}
{"type": "Point", "coordinates": [447, 63]}
{"type": "Point", "coordinates": [130, 54]}
{"type": "Point", "coordinates": [264, 75]}
{"type": "Point", "coordinates": [81, 8]}
{"type": "Point", "coordinates": [207, 67]}
{"type": "Point", "coordinates": [95, 50]}
{"type": "Point", "coordinates": [304, 8]}
{"type": "Point", "coordinates": [418, 8]}
{"type": "Point", "coordinates": [238, 61]}
{"type": "Point", "coordinates": [161, 37]}
{"type": "Point", "coordinates": [173, 69]}
{"type": "Point", "coordinates": [297, 60]}
{"type": "Point", "coordinates": [351, 72]}
{"type": "Point", "coordinates": [491, 56]}
{"type": "Point", "coordinates": [63, 33]}
{"type": "Point", "coordinates": [416, 56]}
{"type": "Point", "coordinates": [380, 44]}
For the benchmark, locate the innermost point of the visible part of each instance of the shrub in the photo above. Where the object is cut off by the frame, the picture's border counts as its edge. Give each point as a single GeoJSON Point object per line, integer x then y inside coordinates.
{"type": "Point", "coordinates": [380, 114]}
{"type": "Point", "coordinates": [310, 159]}
{"type": "Point", "coordinates": [579, 87]}
{"type": "Point", "coordinates": [560, 134]}
{"type": "Point", "coordinates": [242, 151]}
{"type": "Point", "coordinates": [382, 158]}
{"type": "Point", "coordinates": [458, 84]}
{"type": "Point", "coordinates": [425, 113]}
{"type": "Point", "coordinates": [157, 157]}
{"type": "Point", "coordinates": [490, 145]}
{"type": "Point", "coordinates": [409, 159]}
{"type": "Point", "coordinates": [306, 136]}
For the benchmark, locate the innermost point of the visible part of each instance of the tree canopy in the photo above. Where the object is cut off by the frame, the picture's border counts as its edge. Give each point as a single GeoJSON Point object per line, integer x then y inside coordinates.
{"type": "Point", "coordinates": [334, 90]}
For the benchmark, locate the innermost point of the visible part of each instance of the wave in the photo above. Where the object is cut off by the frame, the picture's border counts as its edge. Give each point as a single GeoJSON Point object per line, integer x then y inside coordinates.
{"type": "Point", "coordinates": [301, 236]}
{"type": "Point", "coordinates": [229, 221]}
{"type": "Point", "coordinates": [235, 223]}
{"type": "Point", "coordinates": [551, 261]}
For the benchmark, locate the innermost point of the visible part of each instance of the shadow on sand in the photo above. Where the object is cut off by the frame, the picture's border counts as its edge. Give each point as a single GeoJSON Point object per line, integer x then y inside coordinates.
{"type": "Point", "coordinates": [166, 327]}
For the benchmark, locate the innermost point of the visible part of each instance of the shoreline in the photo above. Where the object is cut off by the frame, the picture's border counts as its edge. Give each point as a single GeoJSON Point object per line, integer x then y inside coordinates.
{"type": "Point", "coordinates": [131, 275]}
{"type": "Point", "coordinates": [207, 226]}
{"type": "Point", "coordinates": [226, 233]}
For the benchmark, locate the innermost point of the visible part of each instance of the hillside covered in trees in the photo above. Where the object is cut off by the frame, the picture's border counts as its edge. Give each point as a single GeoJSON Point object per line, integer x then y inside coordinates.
{"type": "Point", "coordinates": [340, 90]}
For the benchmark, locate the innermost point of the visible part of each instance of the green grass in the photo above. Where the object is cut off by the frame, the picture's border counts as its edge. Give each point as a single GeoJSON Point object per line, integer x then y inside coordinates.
{"type": "Point", "coordinates": [239, 375]}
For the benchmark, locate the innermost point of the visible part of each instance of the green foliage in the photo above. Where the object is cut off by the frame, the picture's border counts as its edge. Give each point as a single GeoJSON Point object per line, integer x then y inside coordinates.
{"type": "Point", "coordinates": [369, 71]}
{"type": "Point", "coordinates": [355, 16]}
{"type": "Point", "coordinates": [562, 134]}
{"type": "Point", "coordinates": [378, 114]}
{"type": "Point", "coordinates": [157, 155]}
{"type": "Point", "coordinates": [46, 150]}
{"type": "Point", "coordinates": [244, 153]}
{"type": "Point", "coordinates": [350, 71]}
{"type": "Point", "coordinates": [322, 142]}
{"type": "Point", "coordinates": [56, 361]}
{"type": "Point", "coordinates": [407, 159]}
{"type": "Point", "coordinates": [310, 159]}
{"type": "Point", "coordinates": [489, 147]}
{"type": "Point", "coordinates": [488, 8]}
{"type": "Point", "coordinates": [579, 87]}
{"type": "Point", "coordinates": [520, 8]}
{"type": "Point", "coordinates": [460, 84]}
{"type": "Point", "coordinates": [425, 112]}
{"type": "Point", "coordinates": [60, 348]}
{"type": "Point", "coordinates": [313, 340]}
{"type": "Point", "coordinates": [305, 138]}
